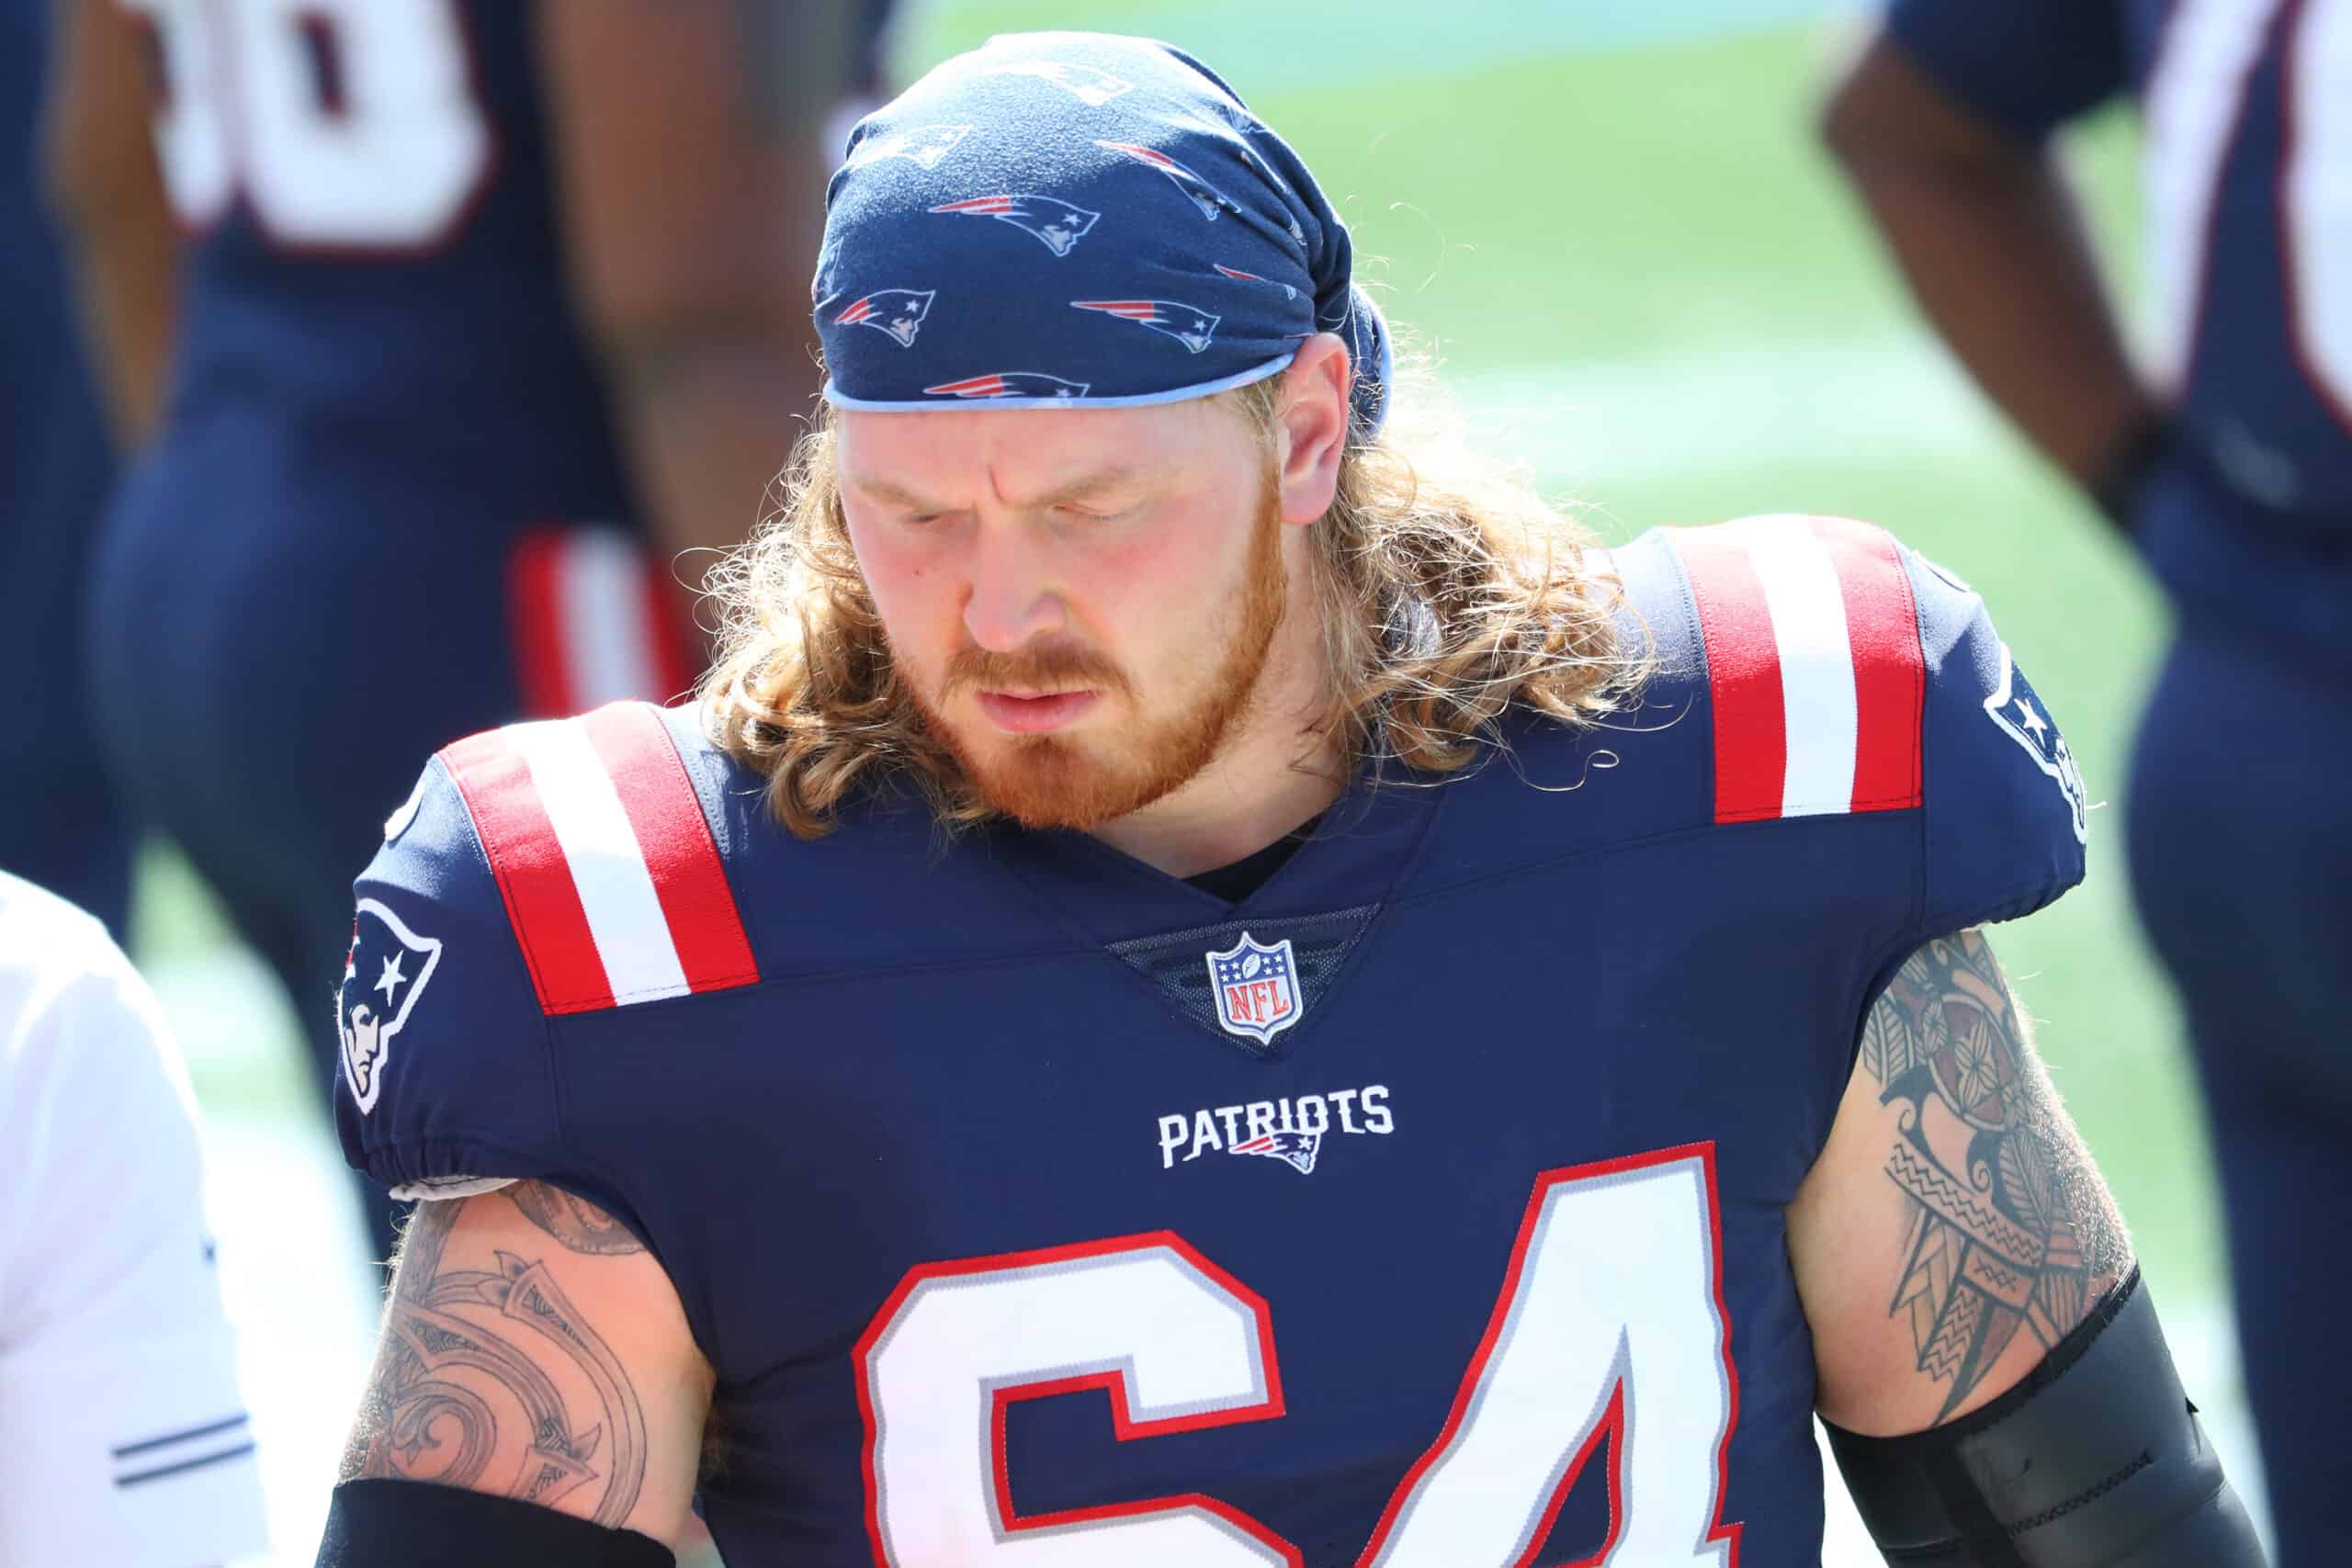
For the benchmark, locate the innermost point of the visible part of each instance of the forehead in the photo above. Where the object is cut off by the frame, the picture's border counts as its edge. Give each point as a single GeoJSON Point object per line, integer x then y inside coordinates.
{"type": "Point", "coordinates": [1015, 452]}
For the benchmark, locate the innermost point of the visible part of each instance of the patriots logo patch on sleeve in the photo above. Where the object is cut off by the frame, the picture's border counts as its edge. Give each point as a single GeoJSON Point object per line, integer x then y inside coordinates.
{"type": "Point", "coordinates": [2020, 714]}
{"type": "Point", "coordinates": [385, 972]}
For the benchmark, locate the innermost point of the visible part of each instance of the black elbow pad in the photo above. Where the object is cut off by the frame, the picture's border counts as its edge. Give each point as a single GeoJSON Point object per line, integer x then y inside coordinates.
{"type": "Point", "coordinates": [2095, 1461]}
{"type": "Point", "coordinates": [398, 1524]}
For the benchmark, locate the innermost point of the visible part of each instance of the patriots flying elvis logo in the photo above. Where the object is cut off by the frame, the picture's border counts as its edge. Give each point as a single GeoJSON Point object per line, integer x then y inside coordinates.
{"type": "Point", "coordinates": [925, 144]}
{"type": "Point", "coordinates": [1058, 225]}
{"type": "Point", "coordinates": [2018, 711]}
{"type": "Point", "coordinates": [1187, 324]}
{"type": "Point", "coordinates": [1211, 201]}
{"type": "Point", "coordinates": [1296, 1150]}
{"type": "Point", "coordinates": [820, 285]}
{"type": "Point", "coordinates": [898, 311]}
{"type": "Point", "coordinates": [1010, 384]}
{"type": "Point", "coordinates": [1082, 82]}
{"type": "Point", "coordinates": [1239, 135]}
{"type": "Point", "coordinates": [383, 975]}
{"type": "Point", "coordinates": [1290, 291]}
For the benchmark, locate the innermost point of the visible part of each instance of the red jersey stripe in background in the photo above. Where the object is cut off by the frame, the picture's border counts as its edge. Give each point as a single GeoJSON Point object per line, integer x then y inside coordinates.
{"type": "Point", "coordinates": [680, 855]}
{"type": "Point", "coordinates": [668, 633]}
{"type": "Point", "coordinates": [534, 616]}
{"type": "Point", "coordinates": [1742, 673]}
{"type": "Point", "coordinates": [1890, 671]}
{"type": "Point", "coordinates": [534, 877]}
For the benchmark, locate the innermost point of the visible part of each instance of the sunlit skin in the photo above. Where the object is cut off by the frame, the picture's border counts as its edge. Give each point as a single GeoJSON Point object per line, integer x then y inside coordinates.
{"type": "Point", "coordinates": [1068, 592]}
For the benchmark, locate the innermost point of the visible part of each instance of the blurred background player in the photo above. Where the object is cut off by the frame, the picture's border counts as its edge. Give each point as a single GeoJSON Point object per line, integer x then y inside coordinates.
{"type": "Point", "coordinates": [127, 1441]}
{"type": "Point", "coordinates": [488, 312]}
{"type": "Point", "coordinates": [59, 825]}
{"type": "Point", "coordinates": [2229, 466]}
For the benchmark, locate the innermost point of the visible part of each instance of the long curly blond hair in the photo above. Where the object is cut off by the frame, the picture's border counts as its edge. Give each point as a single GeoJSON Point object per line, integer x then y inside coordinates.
{"type": "Point", "coordinates": [1449, 592]}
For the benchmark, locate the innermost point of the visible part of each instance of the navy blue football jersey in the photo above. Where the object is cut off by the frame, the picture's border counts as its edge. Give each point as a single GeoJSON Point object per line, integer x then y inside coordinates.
{"type": "Point", "coordinates": [2248, 108]}
{"type": "Point", "coordinates": [59, 823]}
{"type": "Point", "coordinates": [1423, 1207]}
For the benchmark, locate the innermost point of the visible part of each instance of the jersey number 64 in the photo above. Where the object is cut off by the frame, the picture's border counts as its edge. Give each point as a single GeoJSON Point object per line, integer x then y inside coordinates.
{"type": "Point", "coordinates": [1616, 1269]}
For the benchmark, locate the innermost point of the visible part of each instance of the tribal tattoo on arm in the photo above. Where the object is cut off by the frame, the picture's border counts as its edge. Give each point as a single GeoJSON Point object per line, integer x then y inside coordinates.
{"type": "Point", "coordinates": [2010, 1227]}
{"type": "Point", "coordinates": [491, 1380]}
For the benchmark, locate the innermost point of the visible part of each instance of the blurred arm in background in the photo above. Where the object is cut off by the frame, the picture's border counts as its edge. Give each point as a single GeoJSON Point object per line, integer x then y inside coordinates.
{"type": "Point", "coordinates": [98, 161]}
{"type": "Point", "coordinates": [692, 179]}
{"type": "Point", "coordinates": [1991, 238]}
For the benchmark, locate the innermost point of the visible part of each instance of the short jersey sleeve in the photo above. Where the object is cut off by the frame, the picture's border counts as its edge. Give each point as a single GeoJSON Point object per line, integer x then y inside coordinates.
{"type": "Point", "coordinates": [446, 1085]}
{"type": "Point", "coordinates": [2026, 65]}
{"type": "Point", "coordinates": [2005, 821]}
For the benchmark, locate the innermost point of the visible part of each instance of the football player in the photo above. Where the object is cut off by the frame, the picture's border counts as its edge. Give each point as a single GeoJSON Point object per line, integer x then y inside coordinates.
{"type": "Point", "coordinates": [2227, 461]}
{"type": "Point", "coordinates": [482, 327]}
{"type": "Point", "coordinates": [59, 823]}
{"type": "Point", "coordinates": [1207, 986]}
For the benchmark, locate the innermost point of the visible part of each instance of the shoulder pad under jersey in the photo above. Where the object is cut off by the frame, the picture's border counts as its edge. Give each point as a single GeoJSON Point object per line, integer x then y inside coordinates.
{"type": "Point", "coordinates": [1839, 672]}
{"type": "Point", "coordinates": [540, 869]}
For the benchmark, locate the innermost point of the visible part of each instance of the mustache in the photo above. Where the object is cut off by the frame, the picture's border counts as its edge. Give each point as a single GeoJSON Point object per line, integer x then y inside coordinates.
{"type": "Point", "coordinates": [1050, 667]}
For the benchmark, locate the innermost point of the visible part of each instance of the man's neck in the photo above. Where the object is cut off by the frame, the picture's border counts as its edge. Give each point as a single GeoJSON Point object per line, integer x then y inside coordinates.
{"type": "Point", "coordinates": [1271, 776]}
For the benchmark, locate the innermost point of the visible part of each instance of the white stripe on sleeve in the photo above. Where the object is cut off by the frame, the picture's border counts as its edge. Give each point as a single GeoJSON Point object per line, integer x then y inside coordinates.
{"type": "Point", "coordinates": [1808, 613]}
{"type": "Point", "coordinates": [607, 865]}
{"type": "Point", "coordinates": [607, 645]}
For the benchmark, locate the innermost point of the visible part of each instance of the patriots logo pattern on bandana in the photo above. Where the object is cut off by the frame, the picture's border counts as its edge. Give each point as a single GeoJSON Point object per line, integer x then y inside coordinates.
{"type": "Point", "coordinates": [926, 145]}
{"type": "Point", "coordinates": [898, 311]}
{"type": "Point", "coordinates": [1075, 140]}
{"type": "Point", "coordinates": [1083, 81]}
{"type": "Point", "coordinates": [1058, 225]}
{"type": "Point", "coordinates": [1194, 328]}
{"type": "Point", "coordinates": [1213, 202]}
{"type": "Point", "coordinates": [1290, 291]}
{"type": "Point", "coordinates": [1010, 384]}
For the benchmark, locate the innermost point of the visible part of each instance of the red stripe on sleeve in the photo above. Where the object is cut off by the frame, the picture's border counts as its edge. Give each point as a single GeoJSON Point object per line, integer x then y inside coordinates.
{"type": "Point", "coordinates": [668, 633]}
{"type": "Point", "coordinates": [533, 876]}
{"type": "Point", "coordinates": [1742, 673]}
{"type": "Point", "coordinates": [666, 817]}
{"type": "Point", "coordinates": [1890, 671]}
{"type": "Point", "coordinates": [534, 612]}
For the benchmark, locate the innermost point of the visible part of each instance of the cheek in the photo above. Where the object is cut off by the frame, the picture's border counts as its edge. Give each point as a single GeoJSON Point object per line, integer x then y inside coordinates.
{"type": "Point", "coordinates": [903, 579]}
{"type": "Point", "coordinates": [1159, 585]}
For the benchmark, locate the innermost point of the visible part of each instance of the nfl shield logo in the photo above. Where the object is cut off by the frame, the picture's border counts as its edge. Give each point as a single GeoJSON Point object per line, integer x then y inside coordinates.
{"type": "Point", "coordinates": [1257, 988]}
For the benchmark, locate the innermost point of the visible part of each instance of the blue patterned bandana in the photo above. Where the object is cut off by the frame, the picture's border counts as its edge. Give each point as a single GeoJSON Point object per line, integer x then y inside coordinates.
{"type": "Point", "coordinates": [1078, 218]}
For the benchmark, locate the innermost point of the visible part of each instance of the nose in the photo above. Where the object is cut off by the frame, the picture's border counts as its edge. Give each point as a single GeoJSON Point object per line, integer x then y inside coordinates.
{"type": "Point", "coordinates": [1012, 602]}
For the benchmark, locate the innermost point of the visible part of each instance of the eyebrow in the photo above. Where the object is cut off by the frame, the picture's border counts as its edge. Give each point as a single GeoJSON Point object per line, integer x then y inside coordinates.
{"type": "Point", "coordinates": [1088, 484]}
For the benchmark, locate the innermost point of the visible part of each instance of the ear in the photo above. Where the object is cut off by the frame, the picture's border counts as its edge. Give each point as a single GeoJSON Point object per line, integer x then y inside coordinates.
{"type": "Point", "coordinates": [1312, 427]}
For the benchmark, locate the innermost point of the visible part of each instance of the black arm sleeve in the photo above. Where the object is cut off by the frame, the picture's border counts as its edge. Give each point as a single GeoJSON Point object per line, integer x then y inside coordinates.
{"type": "Point", "coordinates": [398, 1524]}
{"type": "Point", "coordinates": [2095, 1461]}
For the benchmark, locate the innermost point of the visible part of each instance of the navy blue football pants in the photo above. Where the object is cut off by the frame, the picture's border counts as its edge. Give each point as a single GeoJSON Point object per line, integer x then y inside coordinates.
{"type": "Point", "coordinates": [270, 678]}
{"type": "Point", "coordinates": [2240, 824]}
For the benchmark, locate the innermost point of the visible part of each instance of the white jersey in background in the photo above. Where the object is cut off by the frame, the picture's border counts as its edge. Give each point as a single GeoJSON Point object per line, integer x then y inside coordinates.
{"type": "Point", "coordinates": [123, 1440]}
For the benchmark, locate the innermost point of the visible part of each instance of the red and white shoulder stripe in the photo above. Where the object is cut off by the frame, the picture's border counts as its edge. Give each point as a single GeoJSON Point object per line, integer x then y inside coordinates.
{"type": "Point", "coordinates": [1814, 665]}
{"type": "Point", "coordinates": [608, 869]}
{"type": "Point", "coordinates": [592, 621]}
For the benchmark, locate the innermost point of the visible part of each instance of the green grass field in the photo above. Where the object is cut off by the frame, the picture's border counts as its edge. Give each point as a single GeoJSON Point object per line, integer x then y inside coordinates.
{"type": "Point", "coordinates": [1640, 278]}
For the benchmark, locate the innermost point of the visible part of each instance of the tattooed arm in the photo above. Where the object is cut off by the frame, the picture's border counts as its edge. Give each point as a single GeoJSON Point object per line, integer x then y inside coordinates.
{"type": "Point", "coordinates": [1954, 1228]}
{"type": "Point", "coordinates": [533, 1349]}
